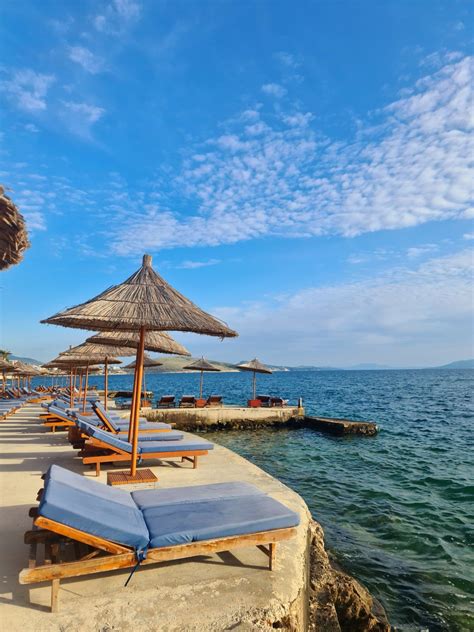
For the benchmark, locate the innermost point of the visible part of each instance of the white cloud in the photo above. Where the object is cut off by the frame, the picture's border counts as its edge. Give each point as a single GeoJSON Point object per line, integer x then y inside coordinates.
{"type": "Point", "coordinates": [28, 89]}
{"type": "Point", "coordinates": [267, 175]}
{"type": "Point", "coordinates": [413, 316]}
{"type": "Point", "coordinates": [89, 113]}
{"type": "Point", "coordinates": [30, 127]}
{"type": "Point", "coordinates": [419, 251]}
{"type": "Point", "coordinates": [287, 59]}
{"type": "Point", "coordinates": [192, 265]}
{"type": "Point", "coordinates": [117, 16]}
{"type": "Point", "coordinates": [468, 236]}
{"type": "Point", "coordinates": [86, 58]}
{"type": "Point", "coordinates": [274, 90]}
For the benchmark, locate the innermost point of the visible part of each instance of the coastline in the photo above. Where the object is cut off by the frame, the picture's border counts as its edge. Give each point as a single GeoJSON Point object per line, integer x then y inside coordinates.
{"type": "Point", "coordinates": [304, 592]}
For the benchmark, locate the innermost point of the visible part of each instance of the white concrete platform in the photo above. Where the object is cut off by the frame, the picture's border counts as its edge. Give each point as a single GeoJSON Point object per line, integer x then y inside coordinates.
{"type": "Point", "coordinates": [232, 590]}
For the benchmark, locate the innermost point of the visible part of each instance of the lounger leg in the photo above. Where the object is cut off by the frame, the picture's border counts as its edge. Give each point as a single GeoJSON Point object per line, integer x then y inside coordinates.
{"type": "Point", "coordinates": [97, 468]}
{"type": "Point", "coordinates": [272, 556]}
{"type": "Point", "coordinates": [54, 595]}
{"type": "Point", "coordinates": [195, 463]}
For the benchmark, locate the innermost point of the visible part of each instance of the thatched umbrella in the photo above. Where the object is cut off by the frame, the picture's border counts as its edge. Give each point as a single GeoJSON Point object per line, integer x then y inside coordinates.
{"type": "Point", "coordinates": [201, 365]}
{"type": "Point", "coordinates": [96, 354]}
{"type": "Point", "coordinates": [257, 367]}
{"type": "Point", "coordinates": [4, 367]}
{"type": "Point", "coordinates": [161, 342]}
{"type": "Point", "coordinates": [147, 363]}
{"type": "Point", "coordinates": [144, 302]}
{"type": "Point", "coordinates": [13, 235]}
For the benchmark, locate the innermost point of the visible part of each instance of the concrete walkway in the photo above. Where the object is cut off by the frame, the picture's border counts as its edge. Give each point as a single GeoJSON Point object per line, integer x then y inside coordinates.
{"type": "Point", "coordinates": [216, 592]}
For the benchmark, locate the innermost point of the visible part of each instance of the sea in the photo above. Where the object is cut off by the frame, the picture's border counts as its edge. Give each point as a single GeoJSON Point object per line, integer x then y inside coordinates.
{"type": "Point", "coordinates": [397, 509]}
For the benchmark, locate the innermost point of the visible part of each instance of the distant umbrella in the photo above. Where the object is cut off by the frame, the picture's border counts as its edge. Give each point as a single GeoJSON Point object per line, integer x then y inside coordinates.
{"type": "Point", "coordinates": [257, 367]}
{"type": "Point", "coordinates": [147, 363]}
{"type": "Point", "coordinates": [144, 302]}
{"type": "Point", "coordinates": [13, 234]}
{"type": "Point", "coordinates": [201, 365]}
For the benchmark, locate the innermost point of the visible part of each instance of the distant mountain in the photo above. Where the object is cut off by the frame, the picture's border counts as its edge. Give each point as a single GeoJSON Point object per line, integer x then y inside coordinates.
{"type": "Point", "coordinates": [25, 360]}
{"type": "Point", "coordinates": [175, 364]}
{"type": "Point", "coordinates": [369, 366]}
{"type": "Point", "coordinates": [460, 364]}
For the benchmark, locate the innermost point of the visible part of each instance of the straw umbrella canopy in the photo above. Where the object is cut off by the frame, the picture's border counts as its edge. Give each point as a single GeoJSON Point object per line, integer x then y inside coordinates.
{"type": "Point", "coordinates": [201, 365]}
{"type": "Point", "coordinates": [158, 341]}
{"type": "Point", "coordinates": [97, 354]}
{"type": "Point", "coordinates": [4, 367]}
{"type": "Point", "coordinates": [13, 234]}
{"type": "Point", "coordinates": [256, 367]}
{"type": "Point", "coordinates": [143, 302]}
{"type": "Point", "coordinates": [161, 342]}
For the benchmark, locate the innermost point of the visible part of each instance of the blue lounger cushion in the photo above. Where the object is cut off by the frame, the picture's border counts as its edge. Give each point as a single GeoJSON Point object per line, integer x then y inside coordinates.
{"type": "Point", "coordinates": [180, 523]}
{"type": "Point", "coordinates": [172, 435]}
{"type": "Point", "coordinates": [99, 490]}
{"type": "Point", "coordinates": [61, 413]}
{"type": "Point", "coordinates": [185, 445]}
{"type": "Point", "coordinates": [147, 498]}
{"type": "Point", "coordinates": [98, 514]}
{"type": "Point", "coordinates": [144, 426]}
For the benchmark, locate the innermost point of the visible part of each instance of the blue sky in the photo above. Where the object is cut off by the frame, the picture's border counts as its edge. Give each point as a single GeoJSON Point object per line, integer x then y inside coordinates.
{"type": "Point", "coordinates": [303, 170]}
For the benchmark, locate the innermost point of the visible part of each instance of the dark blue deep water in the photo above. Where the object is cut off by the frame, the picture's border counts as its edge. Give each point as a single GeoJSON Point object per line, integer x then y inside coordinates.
{"type": "Point", "coordinates": [397, 509]}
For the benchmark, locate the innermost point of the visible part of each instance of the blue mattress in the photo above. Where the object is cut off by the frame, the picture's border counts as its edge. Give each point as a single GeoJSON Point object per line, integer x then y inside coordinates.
{"type": "Point", "coordinates": [180, 523]}
{"type": "Point", "coordinates": [173, 446]}
{"type": "Point", "coordinates": [160, 517]}
{"type": "Point", "coordinates": [146, 498]}
{"type": "Point", "coordinates": [74, 504]}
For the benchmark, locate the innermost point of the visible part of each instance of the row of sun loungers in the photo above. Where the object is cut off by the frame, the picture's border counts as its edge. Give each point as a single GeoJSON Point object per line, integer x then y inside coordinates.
{"type": "Point", "coordinates": [101, 438]}
{"type": "Point", "coordinates": [188, 401]}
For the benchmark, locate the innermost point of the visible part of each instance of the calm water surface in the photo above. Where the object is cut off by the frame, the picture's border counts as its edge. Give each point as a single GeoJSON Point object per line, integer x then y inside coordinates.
{"type": "Point", "coordinates": [397, 509]}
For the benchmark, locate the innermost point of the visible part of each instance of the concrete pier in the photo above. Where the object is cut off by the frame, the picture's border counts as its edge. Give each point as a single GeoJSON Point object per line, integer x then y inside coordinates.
{"type": "Point", "coordinates": [226, 417]}
{"type": "Point", "coordinates": [341, 426]}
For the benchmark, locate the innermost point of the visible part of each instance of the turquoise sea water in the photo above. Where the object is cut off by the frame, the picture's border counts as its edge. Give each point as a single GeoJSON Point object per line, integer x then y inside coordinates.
{"type": "Point", "coordinates": [397, 509]}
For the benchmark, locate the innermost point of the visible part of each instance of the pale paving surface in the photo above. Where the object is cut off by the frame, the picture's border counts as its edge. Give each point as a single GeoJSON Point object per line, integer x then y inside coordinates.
{"type": "Point", "coordinates": [219, 592]}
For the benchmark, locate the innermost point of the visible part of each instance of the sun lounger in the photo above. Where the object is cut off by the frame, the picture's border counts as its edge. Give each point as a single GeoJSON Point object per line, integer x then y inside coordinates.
{"type": "Point", "coordinates": [84, 425]}
{"type": "Point", "coordinates": [264, 400]}
{"type": "Point", "coordinates": [214, 400]}
{"type": "Point", "coordinates": [116, 424]}
{"type": "Point", "coordinates": [106, 529]}
{"type": "Point", "coordinates": [187, 401]}
{"type": "Point", "coordinates": [278, 401]}
{"type": "Point", "coordinates": [105, 447]}
{"type": "Point", "coordinates": [166, 401]}
{"type": "Point", "coordinates": [58, 418]}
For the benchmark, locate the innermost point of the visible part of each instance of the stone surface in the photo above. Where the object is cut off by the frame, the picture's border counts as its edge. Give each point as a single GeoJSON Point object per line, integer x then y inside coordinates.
{"type": "Point", "coordinates": [225, 417]}
{"type": "Point", "coordinates": [230, 591]}
{"type": "Point", "coordinates": [338, 602]}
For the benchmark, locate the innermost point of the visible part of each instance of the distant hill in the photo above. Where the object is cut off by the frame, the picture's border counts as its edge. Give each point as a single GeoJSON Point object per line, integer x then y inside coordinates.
{"type": "Point", "coordinates": [460, 364]}
{"type": "Point", "coordinates": [25, 360]}
{"type": "Point", "coordinates": [175, 364]}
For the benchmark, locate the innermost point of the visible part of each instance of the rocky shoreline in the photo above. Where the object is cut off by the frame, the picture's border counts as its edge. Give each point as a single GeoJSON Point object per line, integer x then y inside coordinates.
{"type": "Point", "coordinates": [336, 601]}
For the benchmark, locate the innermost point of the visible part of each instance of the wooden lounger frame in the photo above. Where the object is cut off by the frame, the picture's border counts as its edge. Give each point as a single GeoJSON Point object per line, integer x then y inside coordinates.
{"type": "Point", "coordinates": [114, 454]}
{"type": "Point", "coordinates": [96, 555]}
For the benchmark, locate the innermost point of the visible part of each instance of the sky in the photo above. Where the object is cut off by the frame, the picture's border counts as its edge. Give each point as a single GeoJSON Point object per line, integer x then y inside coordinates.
{"type": "Point", "coordinates": [301, 170]}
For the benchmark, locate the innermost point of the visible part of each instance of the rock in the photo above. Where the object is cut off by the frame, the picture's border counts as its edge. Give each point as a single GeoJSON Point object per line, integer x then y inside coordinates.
{"type": "Point", "coordinates": [337, 602]}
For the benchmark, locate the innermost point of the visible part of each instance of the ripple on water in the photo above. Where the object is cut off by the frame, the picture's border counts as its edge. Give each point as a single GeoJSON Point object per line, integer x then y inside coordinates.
{"type": "Point", "coordinates": [397, 510]}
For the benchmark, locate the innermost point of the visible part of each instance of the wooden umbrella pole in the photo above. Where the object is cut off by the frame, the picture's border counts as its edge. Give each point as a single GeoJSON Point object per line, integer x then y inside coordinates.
{"type": "Point", "coordinates": [134, 400]}
{"type": "Point", "coordinates": [86, 379]}
{"type": "Point", "coordinates": [106, 382]}
{"type": "Point", "coordinates": [200, 384]}
{"type": "Point", "coordinates": [71, 401]}
{"type": "Point", "coordinates": [141, 351]}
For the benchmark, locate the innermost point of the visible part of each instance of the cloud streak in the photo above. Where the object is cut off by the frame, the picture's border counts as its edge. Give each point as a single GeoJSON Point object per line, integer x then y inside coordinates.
{"type": "Point", "coordinates": [275, 174]}
{"type": "Point", "coordinates": [424, 311]}
{"type": "Point", "coordinates": [28, 89]}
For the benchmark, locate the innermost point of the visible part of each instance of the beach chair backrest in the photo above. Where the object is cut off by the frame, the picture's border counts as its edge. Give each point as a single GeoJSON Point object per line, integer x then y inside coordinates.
{"type": "Point", "coordinates": [104, 417]}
